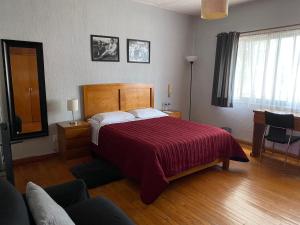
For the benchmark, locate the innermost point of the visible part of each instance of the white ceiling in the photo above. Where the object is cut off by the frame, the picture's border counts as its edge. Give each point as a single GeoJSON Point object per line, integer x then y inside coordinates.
{"type": "Point", "coordinates": [190, 7]}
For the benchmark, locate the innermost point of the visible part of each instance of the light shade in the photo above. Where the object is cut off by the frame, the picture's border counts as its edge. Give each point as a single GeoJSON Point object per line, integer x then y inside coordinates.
{"type": "Point", "coordinates": [192, 58]}
{"type": "Point", "coordinates": [214, 9]}
{"type": "Point", "coordinates": [72, 105]}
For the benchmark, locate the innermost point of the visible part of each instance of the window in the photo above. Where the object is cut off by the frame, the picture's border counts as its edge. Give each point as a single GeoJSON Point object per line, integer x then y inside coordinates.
{"type": "Point", "coordinates": [268, 71]}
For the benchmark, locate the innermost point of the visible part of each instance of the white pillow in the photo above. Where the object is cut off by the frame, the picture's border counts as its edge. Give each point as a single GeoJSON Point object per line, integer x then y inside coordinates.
{"type": "Point", "coordinates": [147, 113]}
{"type": "Point", "coordinates": [113, 117]}
{"type": "Point", "coordinates": [44, 209]}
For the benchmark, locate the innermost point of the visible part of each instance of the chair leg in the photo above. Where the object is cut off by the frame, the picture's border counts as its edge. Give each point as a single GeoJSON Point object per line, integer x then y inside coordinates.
{"type": "Point", "coordinates": [262, 144]}
{"type": "Point", "coordinates": [273, 147]}
{"type": "Point", "coordinates": [262, 147]}
{"type": "Point", "coordinates": [299, 156]}
{"type": "Point", "coordinates": [286, 155]}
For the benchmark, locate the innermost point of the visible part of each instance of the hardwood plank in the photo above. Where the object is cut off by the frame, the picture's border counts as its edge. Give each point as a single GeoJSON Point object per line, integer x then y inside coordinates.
{"type": "Point", "coordinates": [247, 193]}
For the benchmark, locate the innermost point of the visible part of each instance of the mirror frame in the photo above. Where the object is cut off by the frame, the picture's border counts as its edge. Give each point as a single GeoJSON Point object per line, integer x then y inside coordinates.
{"type": "Point", "coordinates": [6, 44]}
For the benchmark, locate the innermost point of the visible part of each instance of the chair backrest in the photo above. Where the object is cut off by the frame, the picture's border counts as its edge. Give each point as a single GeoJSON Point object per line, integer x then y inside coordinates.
{"type": "Point", "coordinates": [285, 121]}
{"type": "Point", "coordinates": [278, 124]}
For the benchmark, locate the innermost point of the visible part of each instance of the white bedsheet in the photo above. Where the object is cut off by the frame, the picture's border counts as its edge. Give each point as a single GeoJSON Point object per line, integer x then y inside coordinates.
{"type": "Point", "coordinates": [96, 126]}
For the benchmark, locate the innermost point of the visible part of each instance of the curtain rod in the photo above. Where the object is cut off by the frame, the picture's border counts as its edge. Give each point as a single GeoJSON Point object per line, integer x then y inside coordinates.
{"type": "Point", "coordinates": [267, 30]}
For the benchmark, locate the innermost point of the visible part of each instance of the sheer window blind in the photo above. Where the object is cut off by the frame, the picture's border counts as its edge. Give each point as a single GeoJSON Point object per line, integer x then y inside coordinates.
{"type": "Point", "coordinates": [268, 71]}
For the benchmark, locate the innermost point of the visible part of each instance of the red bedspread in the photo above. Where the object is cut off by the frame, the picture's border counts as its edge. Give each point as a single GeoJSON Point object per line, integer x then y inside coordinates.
{"type": "Point", "coordinates": [151, 150]}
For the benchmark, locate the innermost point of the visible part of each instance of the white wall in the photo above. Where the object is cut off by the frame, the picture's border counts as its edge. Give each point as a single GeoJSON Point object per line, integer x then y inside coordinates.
{"type": "Point", "coordinates": [259, 14]}
{"type": "Point", "coordinates": [65, 26]}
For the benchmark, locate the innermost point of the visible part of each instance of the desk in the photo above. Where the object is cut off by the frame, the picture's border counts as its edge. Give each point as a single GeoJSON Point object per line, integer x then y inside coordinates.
{"type": "Point", "coordinates": [259, 128]}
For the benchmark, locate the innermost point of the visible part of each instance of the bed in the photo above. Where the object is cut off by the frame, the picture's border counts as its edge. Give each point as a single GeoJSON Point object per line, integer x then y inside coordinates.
{"type": "Point", "coordinates": [155, 151]}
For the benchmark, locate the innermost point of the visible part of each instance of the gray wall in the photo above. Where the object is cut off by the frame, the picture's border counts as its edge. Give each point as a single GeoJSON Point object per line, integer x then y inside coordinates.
{"type": "Point", "coordinates": [251, 16]}
{"type": "Point", "coordinates": [64, 27]}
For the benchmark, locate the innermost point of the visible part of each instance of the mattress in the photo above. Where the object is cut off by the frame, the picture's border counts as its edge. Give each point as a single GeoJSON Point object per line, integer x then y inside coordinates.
{"type": "Point", "coordinates": [149, 151]}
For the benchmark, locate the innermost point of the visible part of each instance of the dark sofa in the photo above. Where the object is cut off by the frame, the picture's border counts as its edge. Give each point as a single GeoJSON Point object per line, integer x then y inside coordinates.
{"type": "Point", "coordinates": [72, 196]}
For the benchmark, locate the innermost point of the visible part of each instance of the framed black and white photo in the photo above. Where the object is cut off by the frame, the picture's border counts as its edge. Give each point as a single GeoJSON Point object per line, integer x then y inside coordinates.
{"type": "Point", "coordinates": [105, 48]}
{"type": "Point", "coordinates": [138, 51]}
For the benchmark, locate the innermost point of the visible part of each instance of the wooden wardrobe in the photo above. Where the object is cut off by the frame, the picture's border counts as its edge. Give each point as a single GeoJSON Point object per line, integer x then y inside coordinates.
{"type": "Point", "coordinates": [26, 87]}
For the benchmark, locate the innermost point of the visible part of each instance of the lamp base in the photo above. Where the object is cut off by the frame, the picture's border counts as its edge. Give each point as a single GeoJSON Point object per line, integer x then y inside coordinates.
{"type": "Point", "coordinates": [74, 123]}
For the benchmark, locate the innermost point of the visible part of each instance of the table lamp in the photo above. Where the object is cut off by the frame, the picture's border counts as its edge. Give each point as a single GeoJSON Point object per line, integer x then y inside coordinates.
{"type": "Point", "coordinates": [72, 105]}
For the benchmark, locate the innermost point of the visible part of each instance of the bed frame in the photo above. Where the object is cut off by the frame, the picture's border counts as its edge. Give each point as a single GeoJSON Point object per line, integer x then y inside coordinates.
{"type": "Point", "coordinates": [98, 98]}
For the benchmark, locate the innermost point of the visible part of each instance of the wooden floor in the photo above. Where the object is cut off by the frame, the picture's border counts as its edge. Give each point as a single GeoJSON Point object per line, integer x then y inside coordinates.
{"type": "Point", "coordinates": [249, 193]}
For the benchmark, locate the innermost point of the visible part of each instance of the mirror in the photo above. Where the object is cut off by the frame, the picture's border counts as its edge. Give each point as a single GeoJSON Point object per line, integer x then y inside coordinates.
{"type": "Point", "coordinates": [25, 89]}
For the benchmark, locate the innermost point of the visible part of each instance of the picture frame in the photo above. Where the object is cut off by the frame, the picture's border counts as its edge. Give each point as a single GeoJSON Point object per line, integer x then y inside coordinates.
{"type": "Point", "coordinates": [105, 48]}
{"type": "Point", "coordinates": [138, 51]}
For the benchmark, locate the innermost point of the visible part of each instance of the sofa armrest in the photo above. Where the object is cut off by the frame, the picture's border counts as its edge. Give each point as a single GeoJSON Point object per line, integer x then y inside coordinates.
{"type": "Point", "coordinates": [69, 193]}
{"type": "Point", "coordinates": [97, 211]}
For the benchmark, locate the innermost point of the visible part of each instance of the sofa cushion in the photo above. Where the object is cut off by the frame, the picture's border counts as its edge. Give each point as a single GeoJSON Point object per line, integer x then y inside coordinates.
{"type": "Point", "coordinates": [97, 211]}
{"type": "Point", "coordinates": [13, 210]}
{"type": "Point", "coordinates": [44, 209]}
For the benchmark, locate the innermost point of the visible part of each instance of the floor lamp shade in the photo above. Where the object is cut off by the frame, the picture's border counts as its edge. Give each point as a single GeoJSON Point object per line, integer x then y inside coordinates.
{"type": "Point", "coordinates": [191, 58]}
{"type": "Point", "coordinates": [214, 9]}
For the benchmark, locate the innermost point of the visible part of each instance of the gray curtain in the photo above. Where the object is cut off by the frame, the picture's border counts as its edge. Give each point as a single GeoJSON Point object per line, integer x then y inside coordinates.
{"type": "Point", "coordinates": [226, 54]}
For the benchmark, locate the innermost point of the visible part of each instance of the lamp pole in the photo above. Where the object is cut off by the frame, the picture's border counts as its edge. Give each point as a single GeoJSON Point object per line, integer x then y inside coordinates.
{"type": "Point", "coordinates": [191, 83]}
{"type": "Point", "coordinates": [191, 60]}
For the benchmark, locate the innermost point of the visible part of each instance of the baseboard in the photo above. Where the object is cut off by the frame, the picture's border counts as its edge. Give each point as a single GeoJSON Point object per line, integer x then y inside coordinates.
{"type": "Point", "coordinates": [267, 148]}
{"type": "Point", "coordinates": [34, 159]}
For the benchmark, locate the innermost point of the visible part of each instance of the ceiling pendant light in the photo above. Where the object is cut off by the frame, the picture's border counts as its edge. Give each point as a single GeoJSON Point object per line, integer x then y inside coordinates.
{"type": "Point", "coordinates": [214, 9]}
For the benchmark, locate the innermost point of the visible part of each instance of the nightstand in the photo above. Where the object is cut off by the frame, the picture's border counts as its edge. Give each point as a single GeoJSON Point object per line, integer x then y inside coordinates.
{"type": "Point", "coordinates": [74, 141]}
{"type": "Point", "coordinates": [175, 114]}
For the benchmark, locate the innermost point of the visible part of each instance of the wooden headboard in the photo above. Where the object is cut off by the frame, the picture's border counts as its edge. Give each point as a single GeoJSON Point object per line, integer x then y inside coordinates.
{"type": "Point", "coordinates": [98, 98]}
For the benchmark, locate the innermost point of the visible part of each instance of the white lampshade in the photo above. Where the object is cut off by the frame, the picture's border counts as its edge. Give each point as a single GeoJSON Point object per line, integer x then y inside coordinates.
{"type": "Point", "coordinates": [72, 105]}
{"type": "Point", "coordinates": [192, 58]}
{"type": "Point", "coordinates": [214, 9]}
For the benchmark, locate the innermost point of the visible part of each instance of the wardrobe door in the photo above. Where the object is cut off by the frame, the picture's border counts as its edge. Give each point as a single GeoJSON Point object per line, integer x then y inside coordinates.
{"type": "Point", "coordinates": [34, 91]}
{"type": "Point", "coordinates": [20, 74]}
{"type": "Point", "coordinates": [26, 92]}
{"type": "Point", "coordinates": [25, 86]}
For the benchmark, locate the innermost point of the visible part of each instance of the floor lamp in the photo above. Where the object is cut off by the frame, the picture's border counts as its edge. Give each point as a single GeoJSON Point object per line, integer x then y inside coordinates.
{"type": "Point", "coordinates": [191, 60]}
